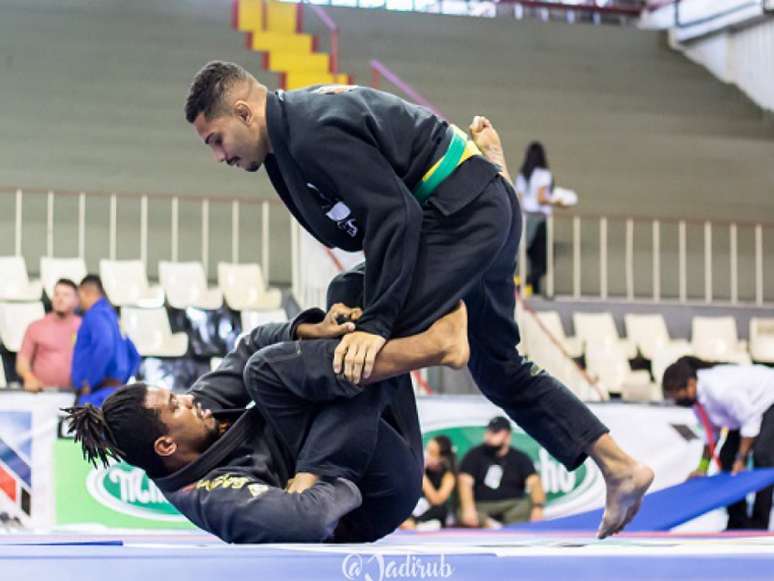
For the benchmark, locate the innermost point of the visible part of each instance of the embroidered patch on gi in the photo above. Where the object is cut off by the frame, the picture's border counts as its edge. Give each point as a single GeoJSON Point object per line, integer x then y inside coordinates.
{"type": "Point", "coordinates": [334, 89]}
{"type": "Point", "coordinates": [337, 211]}
{"type": "Point", "coordinates": [257, 489]}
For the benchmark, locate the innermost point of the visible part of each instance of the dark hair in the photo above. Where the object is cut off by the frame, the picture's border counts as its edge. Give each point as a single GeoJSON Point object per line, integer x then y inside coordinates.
{"type": "Point", "coordinates": [66, 282]}
{"type": "Point", "coordinates": [677, 375]}
{"type": "Point", "coordinates": [533, 159]}
{"type": "Point", "coordinates": [447, 453]}
{"type": "Point", "coordinates": [124, 429]}
{"type": "Point", "coordinates": [209, 86]}
{"type": "Point", "coordinates": [93, 280]}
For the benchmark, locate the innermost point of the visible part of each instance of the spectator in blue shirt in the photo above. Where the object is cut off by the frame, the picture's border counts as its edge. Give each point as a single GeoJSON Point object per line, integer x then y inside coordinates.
{"type": "Point", "coordinates": [103, 358]}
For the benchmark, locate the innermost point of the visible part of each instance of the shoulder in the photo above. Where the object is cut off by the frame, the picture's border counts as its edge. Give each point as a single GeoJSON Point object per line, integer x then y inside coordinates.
{"type": "Point", "coordinates": [520, 456]}
{"type": "Point", "coordinates": [540, 177]}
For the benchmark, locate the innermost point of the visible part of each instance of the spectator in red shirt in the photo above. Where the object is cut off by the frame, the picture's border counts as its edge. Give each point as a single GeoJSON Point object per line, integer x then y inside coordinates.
{"type": "Point", "coordinates": [45, 357]}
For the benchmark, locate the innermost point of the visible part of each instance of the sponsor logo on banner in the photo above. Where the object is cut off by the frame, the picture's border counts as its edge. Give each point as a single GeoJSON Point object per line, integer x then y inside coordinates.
{"type": "Point", "coordinates": [15, 463]}
{"type": "Point", "coordinates": [128, 490]}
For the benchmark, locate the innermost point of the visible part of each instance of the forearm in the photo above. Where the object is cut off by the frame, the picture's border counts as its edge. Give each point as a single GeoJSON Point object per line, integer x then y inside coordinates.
{"type": "Point", "coordinates": [467, 502]}
{"type": "Point", "coordinates": [23, 368]}
{"type": "Point", "coordinates": [745, 445]}
{"type": "Point", "coordinates": [536, 492]}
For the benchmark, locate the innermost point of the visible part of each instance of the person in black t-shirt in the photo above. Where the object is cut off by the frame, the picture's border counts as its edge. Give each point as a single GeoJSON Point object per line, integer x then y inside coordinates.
{"type": "Point", "coordinates": [497, 483]}
{"type": "Point", "coordinates": [438, 484]}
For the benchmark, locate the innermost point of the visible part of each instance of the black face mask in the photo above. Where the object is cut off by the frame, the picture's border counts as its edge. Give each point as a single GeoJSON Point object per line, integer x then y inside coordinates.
{"type": "Point", "coordinates": [685, 402]}
{"type": "Point", "coordinates": [491, 450]}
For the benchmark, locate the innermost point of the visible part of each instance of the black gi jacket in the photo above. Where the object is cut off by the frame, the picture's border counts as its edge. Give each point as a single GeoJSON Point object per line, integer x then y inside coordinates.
{"type": "Point", "coordinates": [235, 489]}
{"type": "Point", "coordinates": [345, 164]}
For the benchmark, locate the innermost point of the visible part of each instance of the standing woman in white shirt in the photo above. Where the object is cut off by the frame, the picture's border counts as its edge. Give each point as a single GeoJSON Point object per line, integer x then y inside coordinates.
{"type": "Point", "coordinates": [535, 186]}
{"type": "Point", "coordinates": [741, 399]}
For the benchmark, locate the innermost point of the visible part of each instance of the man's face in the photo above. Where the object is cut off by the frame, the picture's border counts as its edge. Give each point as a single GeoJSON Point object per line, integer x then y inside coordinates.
{"type": "Point", "coordinates": [686, 396]}
{"type": "Point", "coordinates": [65, 300]}
{"type": "Point", "coordinates": [234, 138]}
{"type": "Point", "coordinates": [499, 439]}
{"type": "Point", "coordinates": [191, 428]}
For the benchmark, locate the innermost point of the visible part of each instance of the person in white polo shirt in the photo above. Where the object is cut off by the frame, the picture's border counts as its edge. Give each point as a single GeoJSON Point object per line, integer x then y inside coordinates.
{"type": "Point", "coordinates": [741, 399]}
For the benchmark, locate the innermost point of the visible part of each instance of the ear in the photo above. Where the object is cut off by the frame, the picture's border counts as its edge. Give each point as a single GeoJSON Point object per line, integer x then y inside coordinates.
{"type": "Point", "coordinates": [243, 112]}
{"type": "Point", "coordinates": [165, 446]}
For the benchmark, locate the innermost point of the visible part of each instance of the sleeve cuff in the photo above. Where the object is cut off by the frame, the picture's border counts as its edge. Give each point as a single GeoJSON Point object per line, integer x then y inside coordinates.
{"type": "Point", "coordinates": [312, 316]}
{"type": "Point", "coordinates": [374, 327]}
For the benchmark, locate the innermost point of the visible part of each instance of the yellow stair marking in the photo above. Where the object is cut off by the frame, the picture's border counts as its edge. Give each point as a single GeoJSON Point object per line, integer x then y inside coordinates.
{"type": "Point", "coordinates": [249, 15]}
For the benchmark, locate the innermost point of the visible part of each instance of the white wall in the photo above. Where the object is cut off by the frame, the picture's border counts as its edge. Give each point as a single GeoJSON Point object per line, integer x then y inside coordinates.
{"type": "Point", "coordinates": [745, 58]}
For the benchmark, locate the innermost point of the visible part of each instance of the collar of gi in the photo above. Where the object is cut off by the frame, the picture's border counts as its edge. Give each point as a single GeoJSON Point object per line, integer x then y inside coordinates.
{"type": "Point", "coordinates": [247, 426]}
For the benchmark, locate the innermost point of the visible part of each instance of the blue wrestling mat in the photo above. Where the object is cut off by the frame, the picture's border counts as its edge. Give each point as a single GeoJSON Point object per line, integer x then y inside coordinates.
{"type": "Point", "coordinates": [670, 507]}
{"type": "Point", "coordinates": [451, 554]}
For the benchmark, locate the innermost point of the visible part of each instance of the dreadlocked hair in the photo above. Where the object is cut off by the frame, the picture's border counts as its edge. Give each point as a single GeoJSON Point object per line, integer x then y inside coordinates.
{"type": "Point", "coordinates": [124, 429]}
{"type": "Point", "coordinates": [676, 376]}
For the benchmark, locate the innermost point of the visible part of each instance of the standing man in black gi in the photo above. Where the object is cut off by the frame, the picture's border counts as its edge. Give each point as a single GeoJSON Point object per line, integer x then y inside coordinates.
{"type": "Point", "coordinates": [364, 170]}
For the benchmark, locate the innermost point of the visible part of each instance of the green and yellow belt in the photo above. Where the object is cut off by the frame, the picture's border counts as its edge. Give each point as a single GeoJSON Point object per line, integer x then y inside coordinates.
{"type": "Point", "coordinates": [460, 150]}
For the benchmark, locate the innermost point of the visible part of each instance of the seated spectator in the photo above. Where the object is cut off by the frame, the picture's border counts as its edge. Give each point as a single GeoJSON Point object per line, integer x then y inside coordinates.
{"type": "Point", "coordinates": [497, 483]}
{"type": "Point", "coordinates": [103, 358]}
{"type": "Point", "coordinates": [437, 484]}
{"type": "Point", "coordinates": [46, 353]}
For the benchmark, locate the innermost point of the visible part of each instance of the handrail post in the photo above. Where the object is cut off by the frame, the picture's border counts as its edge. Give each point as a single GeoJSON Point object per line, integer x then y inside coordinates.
{"type": "Point", "coordinates": [334, 51]}
{"type": "Point", "coordinates": [656, 261]}
{"type": "Point", "coordinates": [758, 264]}
{"type": "Point", "coordinates": [113, 234]}
{"type": "Point", "coordinates": [683, 272]}
{"type": "Point", "coordinates": [50, 224]}
{"type": "Point", "coordinates": [629, 259]}
{"type": "Point", "coordinates": [732, 235]}
{"type": "Point", "coordinates": [603, 258]}
{"type": "Point", "coordinates": [707, 261]}
{"type": "Point", "coordinates": [82, 225]}
{"type": "Point", "coordinates": [576, 256]}
{"type": "Point", "coordinates": [265, 240]}
{"type": "Point", "coordinates": [550, 256]}
{"type": "Point", "coordinates": [18, 227]}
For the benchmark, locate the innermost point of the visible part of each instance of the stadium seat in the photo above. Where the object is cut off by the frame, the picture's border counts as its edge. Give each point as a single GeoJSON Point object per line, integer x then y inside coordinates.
{"type": "Point", "coordinates": [52, 269]}
{"type": "Point", "coordinates": [546, 354]}
{"type": "Point", "coordinates": [665, 356]}
{"type": "Point", "coordinates": [608, 362]}
{"type": "Point", "coordinates": [553, 324]}
{"type": "Point", "coordinates": [15, 284]}
{"type": "Point", "coordinates": [716, 339]}
{"type": "Point", "coordinates": [126, 284]}
{"type": "Point", "coordinates": [244, 288]}
{"type": "Point", "coordinates": [149, 330]}
{"type": "Point", "coordinates": [14, 320]}
{"type": "Point", "coordinates": [251, 319]}
{"type": "Point", "coordinates": [649, 333]}
{"type": "Point", "coordinates": [3, 381]}
{"type": "Point", "coordinates": [599, 328]}
{"type": "Point", "coordinates": [185, 285]}
{"type": "Point", "coordinates": [762, 339]}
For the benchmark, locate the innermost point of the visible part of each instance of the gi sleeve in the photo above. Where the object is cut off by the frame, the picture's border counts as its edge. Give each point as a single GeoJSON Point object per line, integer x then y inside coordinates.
{"type": "Point", "coordinates": [391, 218]}
{"type": "Point", "coordinates": [224, 387]}
{"type": "Point", "coordinates": [94, 351]}
{"type": "Point", "coordinates": [259, 513]}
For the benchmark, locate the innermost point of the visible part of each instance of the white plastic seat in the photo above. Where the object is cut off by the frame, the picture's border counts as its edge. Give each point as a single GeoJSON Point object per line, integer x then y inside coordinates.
{"type": "Point", "coordinates": [649, 333]}
{"type": "Point", "coordinates": [52, 269]}
{"type": "Point", "coordinates": [3, 381]}
{"type": "Point", "coordinates": [716, 339]}
{"type": "Point", "coordinates": [252, 319]}
{"type": "Point", "coordinates": [14, 320]}
{"type": "Point", "coordinates": [185, 285]}
{"type": "Point", "coordinates": [150, 332]}
{"type": "Point", "coordinates": [126, 284]}
{"type": "Point", "coordinates": [244, 288]}
{"type": "Point", "coordinates": [762, 339]}
{"type": "Point", "coordinates": [599, 329]}
{"type": "Point", "coordinates": [553, 324]}
{"type": "Point", "coordinates": [546, 354]}
{"type": "Point", "coordinates": [608, 363]}
{"type": "Point", "coordinates": [665, 356]}
{"type": "Point", "coordinates": [15, 284]}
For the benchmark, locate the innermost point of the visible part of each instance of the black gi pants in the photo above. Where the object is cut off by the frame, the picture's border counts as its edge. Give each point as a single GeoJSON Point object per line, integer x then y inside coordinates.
{"type": "Point", "coordinates": [335, 429]}
{"type": "Point", "coordinates": [763, 457]}
{"type": "Point", "coordinates": [471, 255]}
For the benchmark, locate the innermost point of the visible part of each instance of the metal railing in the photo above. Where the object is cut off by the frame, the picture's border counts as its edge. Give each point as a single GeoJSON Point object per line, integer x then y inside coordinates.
{"type": "Point", "coordinates": [231, 240]}
{"type": "Point", "coordinates": [658, 261]}
{"type": "Point", "coordinates": [614, 11]}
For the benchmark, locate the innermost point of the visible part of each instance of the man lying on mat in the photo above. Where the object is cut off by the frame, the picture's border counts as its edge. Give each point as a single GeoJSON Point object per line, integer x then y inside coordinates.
{"type": "Point", "coordinates": [228, 466]}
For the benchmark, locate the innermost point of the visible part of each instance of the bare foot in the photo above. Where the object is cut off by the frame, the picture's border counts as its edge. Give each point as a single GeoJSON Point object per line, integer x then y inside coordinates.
{"type": "Point", "coordinates": [451, 331]}
{"type": "Point", "coordinates": [625, 490]}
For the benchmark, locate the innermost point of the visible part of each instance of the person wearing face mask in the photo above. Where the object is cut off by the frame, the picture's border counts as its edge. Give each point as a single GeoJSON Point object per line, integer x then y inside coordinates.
{"type": "Point", "coordinates": [497, 483]}
{"type": "Point", "coordinates": [739, 398]}
{"type": "Point", "coordinates": [438, 484]}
